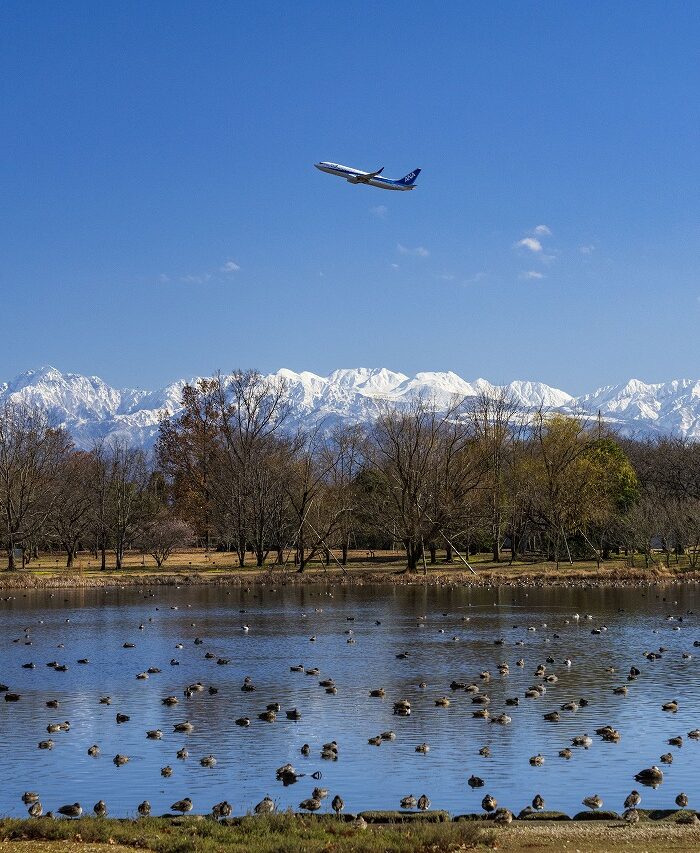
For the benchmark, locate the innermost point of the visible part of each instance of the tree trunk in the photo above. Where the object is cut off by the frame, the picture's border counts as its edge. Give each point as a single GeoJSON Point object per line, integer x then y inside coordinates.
{"type": "Point", "coordinates": [344, 555]}
{"type": "Point", "coordinates": [70, 556]}
{"type": "Point", "coordinates": [280, 555]}
{"type": "Point", "coordinates": [433, 553]}
{"type": "Point", "coordinates": [103, 558]}
{"type": "Point", "coordinates": [448, 555]}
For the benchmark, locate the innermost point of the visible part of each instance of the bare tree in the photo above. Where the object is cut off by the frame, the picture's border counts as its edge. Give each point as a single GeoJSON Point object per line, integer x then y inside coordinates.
{"type": "Point", "coordinates": [493, 417]}
{"type": "Point", "coordinates": [162, 535]}
{"type": "Point", "coordinates": [30, 452]}
{"type": "Point", "coordinates": [424, 467]}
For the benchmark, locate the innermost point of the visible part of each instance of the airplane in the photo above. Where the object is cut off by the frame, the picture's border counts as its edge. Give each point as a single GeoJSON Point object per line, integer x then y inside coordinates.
{"type": "Point", "coordinates": [356, 176]}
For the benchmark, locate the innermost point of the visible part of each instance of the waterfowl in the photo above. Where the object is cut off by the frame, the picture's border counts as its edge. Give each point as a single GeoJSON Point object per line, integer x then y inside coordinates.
{"type": "Point", "coordinates": [442, 702]}
{"type": "Point", "coordinates": [667, 758]}
{"type": "Point", "coordinates": [675, 741]}
{"type": "Point", "coordinates": [46, 744]}
{"type": "Point", "coordinates": [481, 714]}
{"type": "Point", "coordinates": [144, 808]}
{"type": "Point", "coordinates": [359, 823]}
{"type": "Point", "coordinates": [485, 751]}
{"type": "Point", "coordinates": [208, 761]}
{"type": "Point", "coordinates": [52, 703]}
{"type": "Point", "coordinates": [243, 721]}
{"type": "Point", "coordinates": [170, 700]}
{"type": "Point", "coordinates": [35, 810]}
{"type": "Point", "coordinates": [305, 749]}
{"type": "Point", "coordinates": [538, 802]}
{"type": "Point", "coordinates": [423, 748]}
{"type": "Point", "coordinates": [594, 803]}
{"type": "Point", "coordinates": [389, 735]}
{"type": "Point", "coordinates": [402, 708]}
{"type": "Point", "coordinates": [265, 806]}
{"type": "Point", "coordinates": [123, 718]}
{"type": "Point", "coordinates": [502, 720]}
{"type": "Point", "coordinates": [552, 716]}
{"type": "Point", "coordinates": [475, 782]}
{"type": "Point", "coordinates": [582, 740]}
{"type": "Point", "coordinates": [93, 751]}
{"type": "Point", "coordinates": [634, 798]}
{"type": "Point", "coordinates": [409, 802]}
{"type": "Point", "coordinates": [183, 727]}
{"type": "Point", "coordinates": [120, 760]}
{"type": "Point", "coordinates": [222, 809]}
{"type": "Point", "coordinates": [374, 741]}
{"type": "Point", "coordinates": [29, 797]}
{"type": "Point", "coordinates": [182, 754]}
{"type": "Point", "coordinates": [294, 714]}
{"type": "Point", "coordinates": [489, 803]}
{"type": "Point", "coordinates": [631, 816]}
{"type": "Point", "coordinates": [621, 691]}
{"type": "Point", "coordinates": [423, 803]}
{"type": "Point", "coordinates": [154, 734]}
{"type": "Point", "coordinates": [310, 805]}
{"type": "Point", "coordinates": [73, 810]}
{"type": "Point", "coordinates": [671, 706]}
{"type": "Point", "coordinates": [100, 808]}
{"type": "Point", "coordinates": [513, 701]}
{"type": "Point", "coordinates": [650, 776]}
{"type": "Point", "coordinates": [565, 753]}
{"type": "Point", "coordinates": [537, 760]}
{"type": "Point", "coordinates": [503, 816]}
{"type": "Point", "coordinates": [570, 706]}
{"type": "Point", "coordinates": [166, 772]}
{"type": "Point", "coordinates": [268, 716]}
{"type": "Point", "coordinates": [694, 735]}
{"type": "Point", "coordinates": [182, 805]}
{"type": "Point", "coordinates": [105, 700]}
{"type": "Point", "coordinates": [481, 699]}
{"type": "Point", "coordinates": [319, 793]}
{"type": "Point", "coordinates": [682, 801]}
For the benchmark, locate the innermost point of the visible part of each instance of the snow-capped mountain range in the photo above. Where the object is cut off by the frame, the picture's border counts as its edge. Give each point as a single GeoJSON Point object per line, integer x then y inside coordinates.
{"type": "Point", "coordinates": [90, 409]}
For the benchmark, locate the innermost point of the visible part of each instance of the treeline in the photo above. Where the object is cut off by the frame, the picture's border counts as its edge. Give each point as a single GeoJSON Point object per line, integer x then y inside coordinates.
{"type": "Point", "coordinates": [228, 472]}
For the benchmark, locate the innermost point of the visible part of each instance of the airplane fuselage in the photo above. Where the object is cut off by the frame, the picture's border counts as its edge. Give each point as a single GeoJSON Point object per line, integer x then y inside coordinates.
{"type": "Point", "coordinates": [373, 179]}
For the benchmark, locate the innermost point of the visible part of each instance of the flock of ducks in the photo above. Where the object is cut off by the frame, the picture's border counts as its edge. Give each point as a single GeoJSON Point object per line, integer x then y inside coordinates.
{"type": "Point", "coordinates": [651, 776]}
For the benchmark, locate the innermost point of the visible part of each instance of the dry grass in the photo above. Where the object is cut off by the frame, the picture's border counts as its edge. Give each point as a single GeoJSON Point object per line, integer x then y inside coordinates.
{"type": "Point", "coordinates": [199, 566]}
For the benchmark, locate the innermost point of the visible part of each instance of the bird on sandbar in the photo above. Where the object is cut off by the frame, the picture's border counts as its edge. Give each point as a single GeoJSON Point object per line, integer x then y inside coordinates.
{"type": "Point", "coordinates": [594, 803]}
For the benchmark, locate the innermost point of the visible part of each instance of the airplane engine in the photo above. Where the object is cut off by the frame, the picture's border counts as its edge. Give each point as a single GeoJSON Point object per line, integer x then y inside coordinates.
{"type": "Point", "coordinates": [353, 179]}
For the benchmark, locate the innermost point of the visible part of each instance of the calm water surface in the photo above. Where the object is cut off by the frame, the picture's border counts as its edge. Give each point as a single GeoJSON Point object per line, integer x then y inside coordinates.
{"type": "Point", "coordinates": [95, 624]}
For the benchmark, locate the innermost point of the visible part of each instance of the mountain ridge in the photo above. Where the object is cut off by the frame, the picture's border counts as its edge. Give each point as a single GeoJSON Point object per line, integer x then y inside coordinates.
{"type": "Point", "coordinates": [90, 409]}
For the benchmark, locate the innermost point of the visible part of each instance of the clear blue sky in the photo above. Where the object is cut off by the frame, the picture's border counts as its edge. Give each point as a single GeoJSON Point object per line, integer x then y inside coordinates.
{"type": "Point", "coordinates": [146, 146]}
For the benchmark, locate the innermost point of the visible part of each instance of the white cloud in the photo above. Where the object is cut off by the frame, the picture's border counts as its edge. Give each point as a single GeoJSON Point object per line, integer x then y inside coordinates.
{"type": "Point", "coordinates": [230, 266]}
{"type": "Point", "coordinates": [476, 278]}
{"type": "Point", "coordinates": [531, 243]}
{"type": "Point", "coordinates": [531, 274]}
{"type": "Point", "coordinates": [543, 231]}
{"type": "Point", "coordinates": [164, 278]}
{"type": "Point", "coordinates": [395, 266]}
{"type": "Point", "coordinates": [419, 251]}
{"type": "Point", "coordinates": [446, 276]}
{"type": "Point", "coordinates": [586, 250]}
{"type": "Point", "coordinates": [380, 211]}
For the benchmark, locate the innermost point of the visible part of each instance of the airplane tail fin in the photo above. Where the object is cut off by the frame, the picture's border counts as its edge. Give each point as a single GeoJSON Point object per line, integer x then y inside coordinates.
{"type": "Point", "coordinates": [410, 178]}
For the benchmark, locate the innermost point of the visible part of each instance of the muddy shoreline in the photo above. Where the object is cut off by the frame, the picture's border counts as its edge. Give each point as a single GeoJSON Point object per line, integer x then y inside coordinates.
{"type": "Point", "coordinates": [613, 577]}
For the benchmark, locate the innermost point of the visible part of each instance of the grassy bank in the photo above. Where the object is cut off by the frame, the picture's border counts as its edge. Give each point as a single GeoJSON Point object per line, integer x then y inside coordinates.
{"type": "Point", "coordinates": [200, 567]}
{"type": "Point", "coordinates": [291, 833]}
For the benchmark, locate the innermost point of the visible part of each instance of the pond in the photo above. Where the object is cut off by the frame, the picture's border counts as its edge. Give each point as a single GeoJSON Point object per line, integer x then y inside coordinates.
{"type": "Point", "coordinates": [449, 634]}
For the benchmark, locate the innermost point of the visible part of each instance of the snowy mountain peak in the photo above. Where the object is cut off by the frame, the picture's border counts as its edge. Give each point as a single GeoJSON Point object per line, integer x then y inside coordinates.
{"type": "Point", "coordinates": [90, 409]}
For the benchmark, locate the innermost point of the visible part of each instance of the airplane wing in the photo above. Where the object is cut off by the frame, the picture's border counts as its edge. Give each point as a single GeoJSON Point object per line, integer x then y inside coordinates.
{"type": "Point", "coordinates": [364, 179]}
